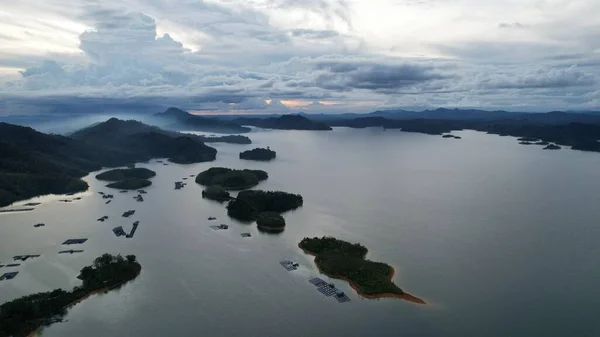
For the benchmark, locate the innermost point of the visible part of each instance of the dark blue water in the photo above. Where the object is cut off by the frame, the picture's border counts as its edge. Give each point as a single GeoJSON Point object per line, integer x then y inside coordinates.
{"type": "Point", "coordinates": [500, 239]}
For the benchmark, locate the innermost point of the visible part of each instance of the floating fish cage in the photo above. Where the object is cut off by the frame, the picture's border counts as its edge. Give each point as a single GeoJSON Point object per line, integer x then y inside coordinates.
{"type": "Point", "coordinates": [289, 265]}
{"type": "Point", "coordinates": [74, 241]}
{"type": "Point", "coordinates": [329, 290]}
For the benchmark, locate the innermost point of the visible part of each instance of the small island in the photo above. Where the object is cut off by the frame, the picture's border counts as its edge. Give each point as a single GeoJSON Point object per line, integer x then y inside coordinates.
{"type": "Point", "coordinates": [217, 193]}
{"type": "Point", "coordinates": [340, 259]}
{"type": "Point", "coordinates": [231, 179]}
{"type": "Point", "coordinates": [129, 173]}
{"type": "Point", "coordinates": [258, 154]}
{"type": "Point", "coordinates": [23, 316]}
{"type": "Point", "coordinates": [248, 204]}
{"type": "Point", "coordinates": [271, 221]}
{"type": "Point", "coordinates": [130, 184]}
{"type": "Point", "coordinates": [552, 147]}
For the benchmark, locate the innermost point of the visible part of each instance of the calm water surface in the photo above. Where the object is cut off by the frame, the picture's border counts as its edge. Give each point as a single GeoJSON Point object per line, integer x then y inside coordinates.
{"type": "Point", "coordinates": [500, 240]}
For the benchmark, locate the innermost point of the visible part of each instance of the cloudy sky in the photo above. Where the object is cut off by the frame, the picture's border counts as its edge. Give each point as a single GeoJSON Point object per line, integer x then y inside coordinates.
{"type": "Point", "coordinates": [299, 55]}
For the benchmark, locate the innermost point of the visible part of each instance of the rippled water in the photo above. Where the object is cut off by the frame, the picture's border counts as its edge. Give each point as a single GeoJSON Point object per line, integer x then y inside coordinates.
{"type": "Point", "coordinates": [500, 240]}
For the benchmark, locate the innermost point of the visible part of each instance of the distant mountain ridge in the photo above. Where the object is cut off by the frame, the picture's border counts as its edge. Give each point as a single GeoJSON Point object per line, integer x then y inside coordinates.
{"type": "Point", "coordinates": [284, 122]}
{"type": "Point", "coordinates": [179, 119]}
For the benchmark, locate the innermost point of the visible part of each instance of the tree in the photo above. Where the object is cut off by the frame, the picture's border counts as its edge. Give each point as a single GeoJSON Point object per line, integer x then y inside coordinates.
{"type": "Point", "coordinates": [131, 258]}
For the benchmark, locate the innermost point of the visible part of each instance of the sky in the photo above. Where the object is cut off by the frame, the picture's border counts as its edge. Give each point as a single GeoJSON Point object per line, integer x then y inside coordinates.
{"type": "Point", "coordinates": [281, 56]}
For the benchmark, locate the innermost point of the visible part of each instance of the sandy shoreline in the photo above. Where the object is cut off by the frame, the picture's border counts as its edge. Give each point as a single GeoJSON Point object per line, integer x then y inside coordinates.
{"type": "Point", "coordinates": [93, 292]}
{"type": "Point", "coordinates": [404, 296]}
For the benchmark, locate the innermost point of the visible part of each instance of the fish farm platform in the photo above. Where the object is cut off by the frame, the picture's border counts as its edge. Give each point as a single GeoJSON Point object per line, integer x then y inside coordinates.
{"type": "Point", "coordinates": [74, 241]}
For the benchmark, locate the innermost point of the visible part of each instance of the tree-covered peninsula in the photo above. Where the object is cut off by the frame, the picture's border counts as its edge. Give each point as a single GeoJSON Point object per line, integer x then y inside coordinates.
{"type": "Point", "coordinates": [33, 163]}
{"type": "Point", "coordinates": [258, 153]}
{"type": "Point", "coordinates": [248, 204]}
{"type": "Point", "coordinates": [22, 316]}
{"type": "Point", "coordinates": [231, 179]}
{"type": "Point", "coordinates": [344, 260]}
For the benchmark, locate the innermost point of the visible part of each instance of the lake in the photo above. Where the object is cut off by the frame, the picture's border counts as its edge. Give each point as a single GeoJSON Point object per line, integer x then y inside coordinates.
{"type": "Point", "coordinates": [500, 239]}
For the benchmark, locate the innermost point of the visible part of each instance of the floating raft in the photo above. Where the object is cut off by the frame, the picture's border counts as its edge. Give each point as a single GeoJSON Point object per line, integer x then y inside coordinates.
{"type": "Point", "coordinates": [133, 229]}
{"type": "Point", "coordinates": [211, 218]}
{"type": "Point", "coordinates": [329, 290]}
{"type": "Point", "coordinates": [128, 213]}
{"type": "Point", "coordinates": [25, 257]}
{"type": "Point", "coordinates": [13, 265]}
{"type": "Point", "coordinates": [119, 231]}
{"type": "Point", "coordinates": [246, 235]}
{"type": "Point", "coordinates": [70, 251]}
{"type": "Point", "coordinates": [108, 202]}
{"type": "Point", "coordinates": [289, 265]}
{"type": "Point", "coordinates": [102, 218]}
{"type": "Point", "coordinates": [8, 276]}
{"type": "Point", "coordinates": [74, 241]}
{"type": "Point", "coordinates": [39, 225]}
{"type": "Point", "coordinates": [219, 227]}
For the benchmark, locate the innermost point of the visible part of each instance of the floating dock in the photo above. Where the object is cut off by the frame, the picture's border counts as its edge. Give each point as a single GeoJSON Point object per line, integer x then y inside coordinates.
{"type": "Point", "coordinates": [39, 225]}
{"type": "Point", "coordinates": [246, 235]}
{"type": "Point", "coordinates": [211, 218]}
{"type": "Point", "coordinates": [25, 257]}
{"type": "Point", "coordinates": [74, 241]}
{"type": "Point", "coordinates": [70, 251]}
{"type": "Point", "coordinates": [102, 218]}
{"type": "Point", "coordinates": [219, 227]}
{"type": "Point", "coordinates": [108, 202]}
{"type": "Point", "coordinates": [8, 276]}
{"type": "Point", "coordinates": [289, 265]}
{"type": "Point", "coordinates": [128, 213]}
{"type": "Point", "coordinates": [133, 229]}
{"type": "Point", "coordinates": [142, 191]}
{"type": "Point", "coordinates": [13, 265]}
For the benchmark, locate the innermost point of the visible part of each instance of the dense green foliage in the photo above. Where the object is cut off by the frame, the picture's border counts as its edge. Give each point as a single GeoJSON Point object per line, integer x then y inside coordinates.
{"type": "Point", "coordinates": [231, 179]}
{"type": "Point", "coordinates": [122, 174]}
{"type": "Point", "coordinates": [258, 154]}
{"type": "Point", "coordinates": [270, 220]}
{"type": "Point", "coordinates": [21, 316]}
{"type": "Point", "coordinates": [130, 184]}
{"type": "Point", "coordinates": [33, 163]}
{"type": "Point", "coordinates": [216, 192]}
{"type": "Point", "coordinates": [248, 204]}
{"type": "Point", "coordinates": [342, 259]}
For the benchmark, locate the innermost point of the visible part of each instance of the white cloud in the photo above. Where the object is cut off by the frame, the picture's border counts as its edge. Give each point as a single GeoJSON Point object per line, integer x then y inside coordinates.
{"type": "Point", "coordinates": [362, 55]}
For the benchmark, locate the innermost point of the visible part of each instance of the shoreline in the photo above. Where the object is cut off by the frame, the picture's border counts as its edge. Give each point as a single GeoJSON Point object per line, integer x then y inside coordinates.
{"type": "Point", "coordinates": [270, 228]}
{"type": "Point", "coordinates": [405, 296]}
{"type": "Point", "coordinates": [85, 296]}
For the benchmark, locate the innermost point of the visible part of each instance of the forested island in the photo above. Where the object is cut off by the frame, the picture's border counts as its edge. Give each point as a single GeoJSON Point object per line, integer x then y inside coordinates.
{"type": "Point", "coordinates": [231, 139]}
{"type": "Point", "coordinates": [231, 179]}
{"type": "Point", "coordinates": [130, 184]}
{"type": "Point", "coordinates": [23, 316]}
{"type": "Point", "coordinates": [344, 260]}
{"type": "Point", "coordinates": [128, 173]}
{"type": "Point", "coordinates": [258, 153]}
{"type": "Point", "coordinates": [33, 163]}
{"type": "Point", "coordinates": [270, 221]}
{"type": "Point", "coordinates": [248, 204]}
{"type": "Point", "coordinates": [216, 192]}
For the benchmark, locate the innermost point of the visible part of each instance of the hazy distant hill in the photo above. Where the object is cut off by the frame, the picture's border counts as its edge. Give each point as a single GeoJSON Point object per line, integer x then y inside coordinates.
{"type": "Point", "coordinates": [285, 122]}
{"type": "Point", "coordinates": [175, 118]}
{"type": "Point", "coordinates": [33, 163]}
